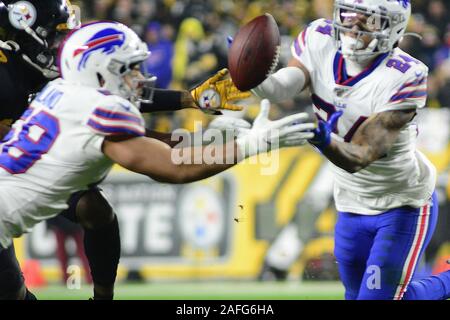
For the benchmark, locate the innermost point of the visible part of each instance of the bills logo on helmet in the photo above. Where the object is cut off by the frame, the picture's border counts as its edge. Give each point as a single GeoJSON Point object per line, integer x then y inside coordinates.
{"type": "Point", "coordinates": [404, 3]}
{"type": "Point", "coordinates": [22, 14]}
{"type": "Point", "coordinates": [107, 40]}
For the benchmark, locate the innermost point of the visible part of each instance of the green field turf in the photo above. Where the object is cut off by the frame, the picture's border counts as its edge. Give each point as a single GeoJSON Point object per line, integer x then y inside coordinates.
{"type": "Point", "coordinates": [206, 291]}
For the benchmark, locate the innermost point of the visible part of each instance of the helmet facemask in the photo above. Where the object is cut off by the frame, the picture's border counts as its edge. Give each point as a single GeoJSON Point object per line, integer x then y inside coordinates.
{"type": "Point", "coordinates": [129, 82]}
{"type": "Point", "coordinates": [144, 84]}
{"type": "Point", "coordinates": [362, 33]}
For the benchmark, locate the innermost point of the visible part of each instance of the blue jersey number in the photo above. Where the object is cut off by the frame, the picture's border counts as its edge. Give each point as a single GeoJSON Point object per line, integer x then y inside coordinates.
{"type": "Point", "coordinates": [21, 151]}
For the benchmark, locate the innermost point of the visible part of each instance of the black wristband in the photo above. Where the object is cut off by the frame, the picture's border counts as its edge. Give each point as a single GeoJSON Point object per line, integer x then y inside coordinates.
{"type": "Point", "coordinates": [163, 100]}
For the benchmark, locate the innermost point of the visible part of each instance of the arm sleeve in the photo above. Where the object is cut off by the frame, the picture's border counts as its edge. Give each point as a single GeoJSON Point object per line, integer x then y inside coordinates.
{"type": "Point", "coordinates": [163, 100]}
{"type": "Point", "coordinates": [115, 119]}
{"type": "Point", "coordinates": [282, 85]}
{"type": "Point", "coordinates": [307, 48]}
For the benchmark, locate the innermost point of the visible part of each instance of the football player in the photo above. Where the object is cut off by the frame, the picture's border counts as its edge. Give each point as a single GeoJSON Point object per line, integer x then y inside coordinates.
{"type": "Point", "coordinates": [366, 93]}
{"type": "Point", "coordinates": [30, 32]}
{"type": "Point", "coordinates": [93, 109]}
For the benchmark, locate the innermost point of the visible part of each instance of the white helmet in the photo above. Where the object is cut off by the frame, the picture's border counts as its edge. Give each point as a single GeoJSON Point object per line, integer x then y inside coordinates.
{"type": "Point", "coordinates": [99, 54]}
{"type": "Point", "coordinates": [386, 23]}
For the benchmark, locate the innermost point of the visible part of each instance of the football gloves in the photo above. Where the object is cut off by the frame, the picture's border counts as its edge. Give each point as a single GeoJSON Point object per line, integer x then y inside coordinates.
{"type": "Point", "coordinates": [322, 134]}
{"type": "Point", "coordinates": [265, 135]}
{"type": "Point", "coordinates": [218, 93]}
{"type": "Point", "coordinates": [229, 124]}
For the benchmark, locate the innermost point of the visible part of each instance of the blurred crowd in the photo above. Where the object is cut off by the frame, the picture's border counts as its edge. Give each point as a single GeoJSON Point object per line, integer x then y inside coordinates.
{"type": "Point", "coordinates": [188, 40]}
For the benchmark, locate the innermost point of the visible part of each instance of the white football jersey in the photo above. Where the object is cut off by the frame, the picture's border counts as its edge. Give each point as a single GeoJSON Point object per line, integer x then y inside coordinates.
{"type": "Point", "coordinates": [55, 150]}
{"type": "Point", "coordinates": [396, 81]}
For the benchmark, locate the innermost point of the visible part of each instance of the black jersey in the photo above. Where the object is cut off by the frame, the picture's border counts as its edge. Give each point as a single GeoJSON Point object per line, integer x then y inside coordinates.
{"type": "Point", "coordinates": [18, 80]}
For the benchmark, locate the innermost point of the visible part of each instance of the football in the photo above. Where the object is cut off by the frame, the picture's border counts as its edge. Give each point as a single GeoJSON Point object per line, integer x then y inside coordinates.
{"type": "Point", "coordinates": [254, 52]}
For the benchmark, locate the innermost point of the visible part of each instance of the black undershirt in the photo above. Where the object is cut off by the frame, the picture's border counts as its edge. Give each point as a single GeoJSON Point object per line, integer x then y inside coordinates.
{"type": "Point", "coordinates": [17, 81]}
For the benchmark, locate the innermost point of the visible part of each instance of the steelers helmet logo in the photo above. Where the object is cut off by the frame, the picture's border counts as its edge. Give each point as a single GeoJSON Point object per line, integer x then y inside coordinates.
{"type": "Point", "coordinates": [22, 14]}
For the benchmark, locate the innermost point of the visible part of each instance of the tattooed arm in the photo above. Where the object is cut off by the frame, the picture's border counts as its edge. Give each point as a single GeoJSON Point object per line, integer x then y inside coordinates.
{"type": "Point", "coordinates": [372, 141]}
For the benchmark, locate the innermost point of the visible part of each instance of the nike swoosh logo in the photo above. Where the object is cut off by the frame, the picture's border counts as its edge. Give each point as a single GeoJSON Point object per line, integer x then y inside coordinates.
{"type": "Point", "coordinates": [127, 108]}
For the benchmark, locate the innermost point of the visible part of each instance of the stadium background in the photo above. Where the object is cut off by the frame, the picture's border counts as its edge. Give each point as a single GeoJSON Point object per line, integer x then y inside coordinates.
{"type": "Point", "coordinates": [241, 234]}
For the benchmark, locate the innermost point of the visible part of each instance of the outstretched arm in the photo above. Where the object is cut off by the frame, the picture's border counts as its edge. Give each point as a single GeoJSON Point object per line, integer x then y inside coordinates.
{"type": "Point", "coordinates": [153, 158]}
{"type": "Point", "coordinates": [372, 141]}
{"type": "Point", "coordinates": [285, 84]}
{"type": "Point", "coordinates": [162, 163]}
{"type": "Point", "coordinates": [167, 138]}
{"type": "Point", "coordinates": [295, 63]}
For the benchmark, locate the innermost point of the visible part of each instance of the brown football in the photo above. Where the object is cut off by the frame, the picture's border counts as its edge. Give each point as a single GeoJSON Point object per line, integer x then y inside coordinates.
{"type": "Point", "coordinates": [254, 52]}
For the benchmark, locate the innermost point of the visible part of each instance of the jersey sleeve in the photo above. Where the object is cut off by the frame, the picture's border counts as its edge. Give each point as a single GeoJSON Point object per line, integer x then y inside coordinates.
{"type": "Point", "coordinates": [410, 93]}
{"type": "Point", "coordinates": [116, 118]}
{"type": "Point", "coordinates": [308, 45]}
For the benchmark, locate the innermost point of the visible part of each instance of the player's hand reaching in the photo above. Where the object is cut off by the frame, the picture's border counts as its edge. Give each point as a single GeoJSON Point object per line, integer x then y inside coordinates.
{"type": "Point", "coordinates": [235, 125]}
{"type": "Point", "coordinates": [266, 135]}
{"type": "Point", "coordinates": [322, 134]}
{"type": "Point", "coordinates": [218, 93]}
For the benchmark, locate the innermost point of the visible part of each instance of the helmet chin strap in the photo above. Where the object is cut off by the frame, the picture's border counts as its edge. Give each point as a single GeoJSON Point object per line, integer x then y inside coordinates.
{"type": "Point", "coordinates": [125, 91]}
{"type": "Point", "coordinates": [33, 34]}
{"type": "Point", "coordinates": [131, 93]}
{"type": "Point", "coordinates": [49, 73]}
{"type": "Point", "coordinates": [353, 49]}
{"type": "Point", "coordinates": [135, 90]}
{"type": "Point", "coordinates": [9, 45]}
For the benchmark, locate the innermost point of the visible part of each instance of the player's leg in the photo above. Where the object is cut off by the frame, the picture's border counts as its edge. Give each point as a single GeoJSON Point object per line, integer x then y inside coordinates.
{"type": "Point", "coordinates": [81, 252]}
{"type": "Point", "coordinates": [435, 287]}
{"type": "Point", "coordinates": [101, 238]}
{"type": "Point", "coordinates": [61, 252]}
{"type": "Point", "coordinates": [12, 285]}
{"type": "Point", "coordinates": [402, 236]}
{"type": "Point", "coordinates": [352, 247]}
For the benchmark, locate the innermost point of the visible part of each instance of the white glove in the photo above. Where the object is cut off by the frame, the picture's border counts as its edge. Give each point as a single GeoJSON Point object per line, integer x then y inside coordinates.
{"type": "Point", "coordinates": [266, 135]}
{"type": "Point", "coordinates": [235, 125]}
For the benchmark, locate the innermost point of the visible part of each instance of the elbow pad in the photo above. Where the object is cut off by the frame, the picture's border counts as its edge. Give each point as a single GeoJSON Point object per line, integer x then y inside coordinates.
{"type": "Point", "coordinates": [285, 84]}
